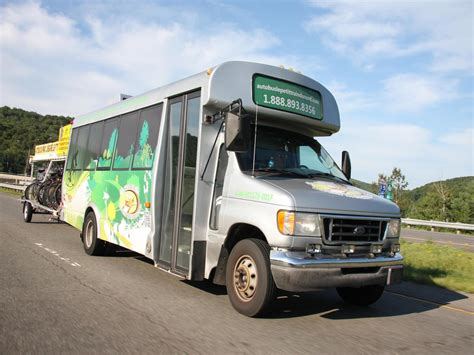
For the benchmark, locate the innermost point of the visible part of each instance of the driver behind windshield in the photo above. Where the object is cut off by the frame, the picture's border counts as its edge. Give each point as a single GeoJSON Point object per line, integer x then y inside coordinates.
{"type": "Point", "coordinates": [282, 150]}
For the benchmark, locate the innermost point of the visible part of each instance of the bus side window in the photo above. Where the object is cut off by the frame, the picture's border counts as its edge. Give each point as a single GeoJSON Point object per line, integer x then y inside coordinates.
{"type": "Point", "coordinates": [126, 141]}
{"type": "Point", "coordinates": [147, 136]}
{"type": "Point", "coordinates": [218, 187]}
{"type": "Point", "coordinates": [107, 147]}
{"type": "Point", "coordinates": [72, 153]}
{"type": "Point", "coordinates": [83, 137]}
{"type": "Point", "coordinates": [93, 146]}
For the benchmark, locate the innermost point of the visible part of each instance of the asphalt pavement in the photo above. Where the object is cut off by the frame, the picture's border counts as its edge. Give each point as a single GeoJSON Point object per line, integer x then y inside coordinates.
{"type": "Point", "coordinates": [460, 241]}
{"type": "Point", "coordinates": [56, 299]}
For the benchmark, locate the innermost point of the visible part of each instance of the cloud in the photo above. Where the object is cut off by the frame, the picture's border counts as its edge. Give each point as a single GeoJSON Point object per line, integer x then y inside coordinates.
{"type": "Point", "coordinates": [422, 155]}
{"type": "Point", "coordinates": [370, 31]}
{"type": "Point", "coordinates": [52, 63]}
{"type": "Point", "coordinates": [350, 101]}
{"type": "Point", "coordinates": [413, 92]}
{"type": "Point", "coordinates": [404, 92]}
{"type": "Point", "coordinates": [464, 138]}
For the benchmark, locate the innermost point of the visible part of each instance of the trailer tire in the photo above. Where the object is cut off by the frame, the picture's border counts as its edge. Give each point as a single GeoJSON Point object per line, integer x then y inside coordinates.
{"type": "Point", "coordinates": [92, 244]}
{"type": "Point", "coordinates": [249, 279]}
{"type": "Point", "coordinates": [362, 296]}
{"type": "Point", "coordinates": [27, 212]}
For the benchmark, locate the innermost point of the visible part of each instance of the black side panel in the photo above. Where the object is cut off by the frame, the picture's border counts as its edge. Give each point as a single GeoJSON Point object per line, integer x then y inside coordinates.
{"type": "Point", "coordinates": [198, 260]}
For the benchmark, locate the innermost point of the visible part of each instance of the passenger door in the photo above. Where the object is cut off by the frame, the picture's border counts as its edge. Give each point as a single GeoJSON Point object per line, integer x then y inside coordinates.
{"type": "Point", "coordinates": [180, 176]}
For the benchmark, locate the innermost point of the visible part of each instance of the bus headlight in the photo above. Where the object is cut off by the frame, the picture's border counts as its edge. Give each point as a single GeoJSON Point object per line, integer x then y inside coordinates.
{"type": "Point", "coordinates": [300, 224]}
{"type": "Point", "coordinates": [393, 228]}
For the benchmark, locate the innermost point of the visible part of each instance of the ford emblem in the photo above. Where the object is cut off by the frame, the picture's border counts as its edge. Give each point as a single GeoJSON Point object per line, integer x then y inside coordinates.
{"type": "Point", "coordinates": [359, 230]}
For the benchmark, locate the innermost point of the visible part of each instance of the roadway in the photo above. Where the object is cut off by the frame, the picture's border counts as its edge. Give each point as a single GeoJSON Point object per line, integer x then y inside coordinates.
{"type": "Point", "coordinates": [460, 241]}
{"type": "Point", "coordinates": [56, 299]}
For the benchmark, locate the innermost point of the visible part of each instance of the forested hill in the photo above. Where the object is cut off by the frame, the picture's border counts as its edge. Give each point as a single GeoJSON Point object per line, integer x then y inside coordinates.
{"type": "Point", "coordinates": [449, 200]}
{"type": "Point", "coordinates": [21, 130]}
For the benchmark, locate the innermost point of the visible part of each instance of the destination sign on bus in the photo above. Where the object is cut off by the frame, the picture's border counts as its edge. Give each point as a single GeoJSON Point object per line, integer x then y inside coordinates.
{"type": "Point", "coordinates": [284, 96]}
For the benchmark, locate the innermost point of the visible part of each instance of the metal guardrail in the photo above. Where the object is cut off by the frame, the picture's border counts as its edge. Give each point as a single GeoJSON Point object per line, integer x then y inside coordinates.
{"type": "Point", "coordinates": [14, 187]}
{"type": "Point", "coordinates": [437, 224]}
{"type": "Point", "coordinates": [15, 179]}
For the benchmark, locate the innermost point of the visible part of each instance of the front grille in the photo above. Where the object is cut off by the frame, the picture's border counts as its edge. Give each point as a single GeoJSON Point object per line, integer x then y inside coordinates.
{"type": "Point", "coordinates": [340, 230]}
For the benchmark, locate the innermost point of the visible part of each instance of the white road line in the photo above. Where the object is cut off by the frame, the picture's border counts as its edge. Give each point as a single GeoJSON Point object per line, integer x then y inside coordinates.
{"type": "Point", "coordinates": [55, 253]}
{"type": "Point", "coordinates": [441, 242]}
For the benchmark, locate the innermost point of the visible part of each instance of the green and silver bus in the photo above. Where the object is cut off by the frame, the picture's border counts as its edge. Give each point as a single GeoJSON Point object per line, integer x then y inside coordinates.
{"type": "Point", "coordinates": [220, 176]}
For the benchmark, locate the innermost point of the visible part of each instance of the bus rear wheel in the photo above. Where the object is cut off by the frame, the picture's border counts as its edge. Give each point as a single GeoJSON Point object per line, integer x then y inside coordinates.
{"type": "Point", "coordinates": [92, 244]}
{"type": "Point", "coordinates": [362, 296]}
{"type": "Point", "coordinates": [249, 280]}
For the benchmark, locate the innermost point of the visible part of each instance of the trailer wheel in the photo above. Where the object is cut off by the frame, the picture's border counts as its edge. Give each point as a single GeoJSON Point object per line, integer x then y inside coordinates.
{"type": "Point", "coordinates": [27, 212]}
{"type": "Point", "coordinates": [362, 296]}
{"type": "Point", "coordinates": [249, 280]}
{"type": "Point", "coordinates": [92, 244]}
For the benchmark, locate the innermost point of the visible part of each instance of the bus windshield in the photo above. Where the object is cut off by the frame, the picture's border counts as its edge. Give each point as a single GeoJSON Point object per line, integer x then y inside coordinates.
{"type": "Point", "coordinates": [287, 153]}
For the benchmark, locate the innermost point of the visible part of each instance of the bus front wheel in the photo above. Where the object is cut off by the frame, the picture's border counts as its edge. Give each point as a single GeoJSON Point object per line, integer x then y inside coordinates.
{"type": "Point", "coordinates": [249, 280]}
{"type": "Point", "coordinates": [92, 244]}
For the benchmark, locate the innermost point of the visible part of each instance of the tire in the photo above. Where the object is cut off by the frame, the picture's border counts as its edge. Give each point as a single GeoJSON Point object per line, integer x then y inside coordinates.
{"type": "Point", "coordinates": [28, 191]}
{"type": "Point", "coordinates": [27, 212]}
{"type": "Point", "coordinates": [249, 279]}
{"type": "Point", "coordinates": [362, 296]}
{"type": "Point", "coordinates": [92, 244]}
{"type": "Point", "coordinates": [34, 191]}
{"type": "Point", "coordinates": [31, 190]}
{"type": "Point", "coordinates": [42, 193]}
{"type": "Point", "coordinates": [51, 195]}
{"type": "Point", "coordinates": [57, 196]}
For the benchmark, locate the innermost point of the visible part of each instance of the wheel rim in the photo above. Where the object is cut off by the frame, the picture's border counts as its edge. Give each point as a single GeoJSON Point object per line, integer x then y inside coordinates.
{"type": "Point", "coordinates": [25, 211]}
{"type": "Point", "coordinates": [89, 233]}
{"type": "Point", "coordinates": [245, 278]}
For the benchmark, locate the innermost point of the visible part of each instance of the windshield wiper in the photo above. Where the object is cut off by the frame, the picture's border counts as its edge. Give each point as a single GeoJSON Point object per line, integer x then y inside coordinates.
{"type": "Point", "coordinates": [281, 171]}
{"type": "Point", "coordinates": [328, 175]}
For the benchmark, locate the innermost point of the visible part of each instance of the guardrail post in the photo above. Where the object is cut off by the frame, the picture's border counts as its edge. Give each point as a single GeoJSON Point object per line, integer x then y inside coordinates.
{"type": "Point", "coordinates": [458, 231]}
{"type": "Point", "coordinates": [433, 229]}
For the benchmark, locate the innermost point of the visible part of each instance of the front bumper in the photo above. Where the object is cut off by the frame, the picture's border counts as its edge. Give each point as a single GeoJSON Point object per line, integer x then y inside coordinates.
{"type": "Point", "coordinates": [297, 272]}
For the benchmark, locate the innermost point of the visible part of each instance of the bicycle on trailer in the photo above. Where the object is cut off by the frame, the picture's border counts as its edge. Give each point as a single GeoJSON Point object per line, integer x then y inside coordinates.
{"type": "Point", "coordinates": [43, 195]}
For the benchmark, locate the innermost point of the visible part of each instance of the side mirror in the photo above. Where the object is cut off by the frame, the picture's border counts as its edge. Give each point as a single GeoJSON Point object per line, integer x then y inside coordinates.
{"type": "Point", "coordinates": [346, 164]}
{"type": "Point", "coordinates": [237, 132]}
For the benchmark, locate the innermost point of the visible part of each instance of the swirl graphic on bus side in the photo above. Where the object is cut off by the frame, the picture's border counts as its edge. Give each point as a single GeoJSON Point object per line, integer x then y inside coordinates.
{"type": "Point", "coordinates": [129, 202]}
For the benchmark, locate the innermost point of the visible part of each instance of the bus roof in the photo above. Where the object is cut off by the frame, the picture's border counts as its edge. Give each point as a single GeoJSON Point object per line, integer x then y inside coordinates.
{"type": "Point", "coordinates": [236, 80]}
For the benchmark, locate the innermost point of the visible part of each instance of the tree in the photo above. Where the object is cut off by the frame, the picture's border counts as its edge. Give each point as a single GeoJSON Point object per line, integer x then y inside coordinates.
{"type": "Point", "coordinates": [428, 207]}
{"type": "Point", "coordinates": [437, 205]}
{"type": "Point", "coordinates": [444, 197]}
{"type": "Point", "coordinates": [20, 131]}
{"type": "Point", "coordinates": [399, 184]}
{"type": "Point", "coordinates": [450, 200]}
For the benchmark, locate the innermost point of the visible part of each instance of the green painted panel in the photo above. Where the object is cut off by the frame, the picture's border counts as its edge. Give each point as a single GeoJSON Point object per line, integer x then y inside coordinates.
{"type": "Point", "coordinates": [285, 96]}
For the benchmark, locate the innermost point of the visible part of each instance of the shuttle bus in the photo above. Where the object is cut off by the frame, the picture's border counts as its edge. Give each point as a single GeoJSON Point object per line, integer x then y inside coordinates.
{"type": "Point", "coordinates": [220, 176]}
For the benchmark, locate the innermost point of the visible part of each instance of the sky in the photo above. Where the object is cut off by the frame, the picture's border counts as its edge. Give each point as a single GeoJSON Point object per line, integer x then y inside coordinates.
{"type": "Point", "coordinates": [401, 71]}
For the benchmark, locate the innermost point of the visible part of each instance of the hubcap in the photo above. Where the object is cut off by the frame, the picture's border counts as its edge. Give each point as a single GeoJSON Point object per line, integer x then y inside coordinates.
{"type": "Point", "coordinates": [245, 278]}
{"type": "Point", "coordinates": [89, 233]}
{"type": "Point", "coordinates": [25, 211]}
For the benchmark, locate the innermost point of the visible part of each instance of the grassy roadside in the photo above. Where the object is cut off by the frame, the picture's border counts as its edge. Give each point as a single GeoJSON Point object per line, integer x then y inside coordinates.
{"type": "Point", "coordinates": [439, 265]}
{"type": "Point", "coordinates": [11, 191]}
